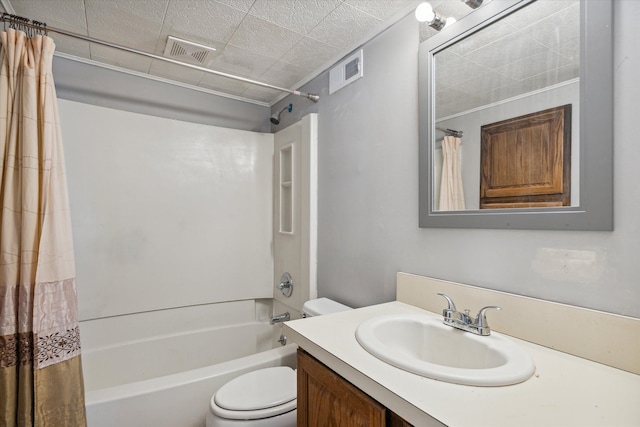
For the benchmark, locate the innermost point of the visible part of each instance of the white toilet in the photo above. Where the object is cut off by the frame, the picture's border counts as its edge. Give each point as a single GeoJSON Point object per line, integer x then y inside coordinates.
{"type": "Point", "coordinates": [264, 397]}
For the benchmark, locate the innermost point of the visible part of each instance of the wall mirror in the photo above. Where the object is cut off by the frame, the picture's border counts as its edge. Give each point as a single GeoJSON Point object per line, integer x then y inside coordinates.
{"type": "Point", "coordinates": [507, 62]}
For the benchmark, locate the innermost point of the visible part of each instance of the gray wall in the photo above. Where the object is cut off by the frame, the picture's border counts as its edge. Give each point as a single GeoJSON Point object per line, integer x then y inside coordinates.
{"type": "Point", "coordinates": [90, 84]}
{"type": "Point", "coordinates": [368, 194]}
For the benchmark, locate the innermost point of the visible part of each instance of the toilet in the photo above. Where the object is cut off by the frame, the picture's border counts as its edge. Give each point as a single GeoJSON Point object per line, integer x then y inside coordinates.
{"type": "Point", "coordinates": [264, 397]}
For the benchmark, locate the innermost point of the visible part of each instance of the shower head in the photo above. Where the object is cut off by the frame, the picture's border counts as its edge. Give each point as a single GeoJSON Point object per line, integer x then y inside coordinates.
{"type": "Point", "coordinates": [275, 119]}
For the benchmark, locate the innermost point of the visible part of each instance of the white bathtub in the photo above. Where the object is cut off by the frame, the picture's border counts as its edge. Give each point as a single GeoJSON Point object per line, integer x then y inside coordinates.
{"type": "Point", "coordinates": [137, 376]}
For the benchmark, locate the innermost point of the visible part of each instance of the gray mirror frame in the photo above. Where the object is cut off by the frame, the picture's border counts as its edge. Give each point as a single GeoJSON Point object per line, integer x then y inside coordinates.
{"type": "Point", "coordinates": [596, 128]}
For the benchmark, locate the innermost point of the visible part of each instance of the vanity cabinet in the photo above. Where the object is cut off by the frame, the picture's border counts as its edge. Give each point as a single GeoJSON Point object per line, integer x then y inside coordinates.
{"type": "Point", "coordinates": [327, 399]}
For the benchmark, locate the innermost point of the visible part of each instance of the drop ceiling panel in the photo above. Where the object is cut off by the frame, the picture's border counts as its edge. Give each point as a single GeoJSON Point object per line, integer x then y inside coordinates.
{"type": "Point", "coordinates": [206, 22]}
{"type": "Point", "coordinates": [133, 23]}
{"type": "Point", "coordinates": [298, 16]}
{"type": "Point", "coordinates": [241, 62]}
{"type": "Point", "coordinates": [382, 9]}
{"type": "Point", "coordinates": [344, 25]}
{"type": "Point", "coordinates": [262, 37]}
{"type": "Point", "coordinates": [120, 58]}
{"type": "Point", "coordinates": [309, 54]}
{"type": "Point", "coordinates": [67, 14]}
{"type": "Point", "coordinates": [283, 74]}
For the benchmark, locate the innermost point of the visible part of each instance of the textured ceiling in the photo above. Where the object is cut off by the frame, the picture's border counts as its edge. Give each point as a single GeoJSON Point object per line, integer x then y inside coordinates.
{"type": "Point", "coordinates": [280, 42]}
{"type": "Point", "coordinates": [529, 50]}
{"type": "Point", "coordinates": [286, 43]}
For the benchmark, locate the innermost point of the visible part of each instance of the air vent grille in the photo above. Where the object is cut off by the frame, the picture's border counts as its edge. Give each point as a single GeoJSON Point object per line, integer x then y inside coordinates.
{"type": "Point", "coordinates": [187, 51]}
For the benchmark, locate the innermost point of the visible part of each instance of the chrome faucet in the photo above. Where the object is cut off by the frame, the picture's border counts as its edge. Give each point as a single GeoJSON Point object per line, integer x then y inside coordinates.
{"type": "Point", "coordinates": [463, 321]}
{"type": "Point", "coordinates": [280, 318]}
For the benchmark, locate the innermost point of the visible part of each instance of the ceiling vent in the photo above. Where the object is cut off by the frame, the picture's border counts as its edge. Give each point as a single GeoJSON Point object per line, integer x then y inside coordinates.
{"type": "Point", "coordinates": [186, 51]}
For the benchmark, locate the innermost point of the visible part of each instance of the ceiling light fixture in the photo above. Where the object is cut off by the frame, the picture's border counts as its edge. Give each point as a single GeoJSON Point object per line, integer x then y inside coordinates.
{"type": "Point", "coordinates": [425, 13]}
{"type": "Point", "coordinates": [473, 4]}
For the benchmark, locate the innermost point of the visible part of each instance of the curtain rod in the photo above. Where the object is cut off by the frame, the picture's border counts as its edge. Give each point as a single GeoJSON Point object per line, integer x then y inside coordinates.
{"type": "Point", "coordinates": [20, 22]}
{"type": "Point", "coordinates": [451, 132]}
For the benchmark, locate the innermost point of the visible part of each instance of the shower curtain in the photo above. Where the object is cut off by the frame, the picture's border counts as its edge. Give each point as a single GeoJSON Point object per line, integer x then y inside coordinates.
{"type": "Point", "coordinates": [41, 380]}
{"type": "Point", "coordinates": [451, 192]}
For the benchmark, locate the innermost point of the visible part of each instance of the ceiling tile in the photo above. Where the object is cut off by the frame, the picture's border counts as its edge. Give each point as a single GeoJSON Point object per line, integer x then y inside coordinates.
{"type": "Point", "coordinates": [283, 75]}
{"type": "Point", "coordinates": [570, 50]}
{"type": "Point", "coordinates": [262, 37]}
{"type": "Point", "coordinates": [382, 9]}
{"type": "Point", "coordinates": [206, 22]}
{"type": "Point", "coordinates": [557, 28]}
{"type": "Point", "coordinates": [296, 15]}
{"type": "Point", "coordinates": [537, 11]}
{"type": "Point", "coordinates": [483, 83]}
{"type": "Point", "coordinates": [530, 66]}
{"type": "Point", "coordinates": [452, 101]}
{"type": "Point", "coordinates": [120, 58]}
{"type": "Point", "coordinates": [482, 38]}
{"type": "Point", "coordinates": [67, 15]}
{"type": "Point", "coordinates": [310, 54]}
{"type": "Point", "coordinates": [243, 5]}
{"type": "Point", "coordinates": [64, 14]}
{"type": "Point", "coordinates": [134, 23]}
{"type": "Point", "coordinates": [344, 26]}
{"type": "Point", "coordinates": [454, 69]}
{"type": "Point", "coordinates": [238, 61]}
{"type": "Point", "coordinates": [542, 80]}
{"type": "Point", "coordinates": [511, 48]}
{"type": "Point", "coordinates": [71, 46]}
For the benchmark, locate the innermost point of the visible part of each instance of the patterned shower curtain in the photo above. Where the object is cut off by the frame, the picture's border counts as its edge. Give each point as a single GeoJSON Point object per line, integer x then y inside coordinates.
{"type": "Point", "coordinates": [41, 380]}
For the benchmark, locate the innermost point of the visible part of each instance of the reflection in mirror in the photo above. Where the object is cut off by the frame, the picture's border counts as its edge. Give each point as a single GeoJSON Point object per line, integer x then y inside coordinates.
{"type": "Point", "coordinates": [526, 62]}
{"type": "Point", "coordinates": [510, 62]}
{"type": "Point", "coordinates": [526, 161]}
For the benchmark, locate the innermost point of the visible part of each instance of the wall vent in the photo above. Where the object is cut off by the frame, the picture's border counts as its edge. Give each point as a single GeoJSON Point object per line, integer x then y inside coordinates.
{"type": "Point", "coordinates": [346, 72]}
{"type": "Point", "coordinates": [186, 51]}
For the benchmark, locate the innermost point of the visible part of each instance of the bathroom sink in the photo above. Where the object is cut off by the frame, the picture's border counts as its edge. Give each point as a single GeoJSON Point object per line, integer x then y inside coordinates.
{"type": "Point", "coordinates": [423, 345]}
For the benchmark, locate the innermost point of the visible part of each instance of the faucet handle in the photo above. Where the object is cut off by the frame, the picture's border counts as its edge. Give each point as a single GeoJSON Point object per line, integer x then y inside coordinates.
{"type": "Point", "coordinates": [481, 319]}
{"type": "Point", "coordinates": [452, 307]}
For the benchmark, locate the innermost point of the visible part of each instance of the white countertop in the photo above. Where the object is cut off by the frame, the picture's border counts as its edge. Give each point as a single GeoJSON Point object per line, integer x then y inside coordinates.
{"type": "Point", "coordinates": [564, 391]}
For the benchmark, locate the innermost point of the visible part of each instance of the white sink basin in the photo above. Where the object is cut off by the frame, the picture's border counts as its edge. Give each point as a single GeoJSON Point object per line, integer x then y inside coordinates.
{"type": "Point", "coordinates": [423, 345]}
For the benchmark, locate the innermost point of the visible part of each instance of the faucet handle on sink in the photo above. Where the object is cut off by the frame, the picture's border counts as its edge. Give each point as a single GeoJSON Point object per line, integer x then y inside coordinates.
{"type": "Point", "coordinates": [452, 307]}
{"type": "Point", "coordinates": [481, 320]}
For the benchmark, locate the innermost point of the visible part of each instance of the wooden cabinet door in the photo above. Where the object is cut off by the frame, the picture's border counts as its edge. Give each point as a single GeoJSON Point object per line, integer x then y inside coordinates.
{"type": "Point", "coordinates": [325, 399]}
{"type": "Point", "coordinates": [526, 161]}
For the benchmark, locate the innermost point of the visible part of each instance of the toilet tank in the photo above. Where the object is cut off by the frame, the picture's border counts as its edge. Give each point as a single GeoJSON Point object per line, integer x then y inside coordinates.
{"type": "Point", "coordinates": [320, 306]}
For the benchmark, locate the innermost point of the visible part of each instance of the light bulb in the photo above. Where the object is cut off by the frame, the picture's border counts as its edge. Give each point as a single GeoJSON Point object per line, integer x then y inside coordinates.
{"type": "Point", "coordinates": [424, 12]}
{"type": "Point", "coordinates": [450, 20]}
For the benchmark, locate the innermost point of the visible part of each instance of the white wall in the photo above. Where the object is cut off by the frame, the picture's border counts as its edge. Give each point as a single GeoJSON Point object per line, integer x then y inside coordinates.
{"type": "Point", "coordinates": [165, 213]}
{"type": "Point", "coordinates": [368, 194]}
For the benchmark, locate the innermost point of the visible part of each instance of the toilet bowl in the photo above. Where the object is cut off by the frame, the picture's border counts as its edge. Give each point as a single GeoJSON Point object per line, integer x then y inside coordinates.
{"type": "Point", "coordinates": [264, 397]}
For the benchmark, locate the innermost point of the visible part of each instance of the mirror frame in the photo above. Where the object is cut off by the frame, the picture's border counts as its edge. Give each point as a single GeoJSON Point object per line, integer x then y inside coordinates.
{"type": "Point", "coordinates": [595, 211]}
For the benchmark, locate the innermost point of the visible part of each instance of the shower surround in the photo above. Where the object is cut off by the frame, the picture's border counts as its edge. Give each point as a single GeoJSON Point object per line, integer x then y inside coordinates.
{"type": "Point", "coordinates": [172, 233]}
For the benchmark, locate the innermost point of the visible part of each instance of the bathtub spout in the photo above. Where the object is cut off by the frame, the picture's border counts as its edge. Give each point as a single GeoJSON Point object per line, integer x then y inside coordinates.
{"type": "Point", "coordinates": [280, 318]}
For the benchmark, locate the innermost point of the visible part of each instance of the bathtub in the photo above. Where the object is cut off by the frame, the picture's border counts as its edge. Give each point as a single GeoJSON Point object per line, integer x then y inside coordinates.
{"type": "Point", "coordinates": [161, 369]}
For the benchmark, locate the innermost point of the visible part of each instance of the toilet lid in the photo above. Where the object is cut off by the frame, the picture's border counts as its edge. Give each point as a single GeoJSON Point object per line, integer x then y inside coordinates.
{"type": "Point", "coordinates": [260, 389]}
